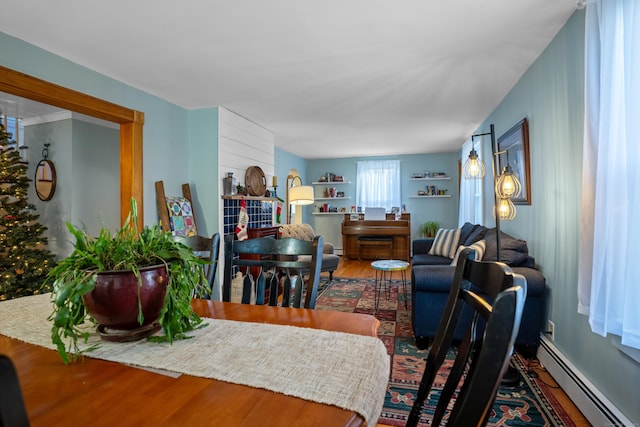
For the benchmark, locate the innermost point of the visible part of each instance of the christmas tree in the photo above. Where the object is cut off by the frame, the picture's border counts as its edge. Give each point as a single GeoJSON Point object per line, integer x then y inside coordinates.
{"type": "Point", "coordinates": [24, 259]}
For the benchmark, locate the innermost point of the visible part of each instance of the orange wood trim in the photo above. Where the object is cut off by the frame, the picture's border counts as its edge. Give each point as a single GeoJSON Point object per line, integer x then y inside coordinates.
{"type": "Point", "coordinates": [131, 122]}
{"type": "Point", "coordinates": [131, 171]}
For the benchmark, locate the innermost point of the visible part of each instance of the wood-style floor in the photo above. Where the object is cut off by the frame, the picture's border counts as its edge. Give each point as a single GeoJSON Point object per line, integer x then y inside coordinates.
{"type": "Point", "coordinates": [362, 269]}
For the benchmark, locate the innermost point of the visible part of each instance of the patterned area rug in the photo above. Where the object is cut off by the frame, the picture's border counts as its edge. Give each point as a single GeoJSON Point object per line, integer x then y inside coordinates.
{"type": "Point", "coordinates": [529, 403]}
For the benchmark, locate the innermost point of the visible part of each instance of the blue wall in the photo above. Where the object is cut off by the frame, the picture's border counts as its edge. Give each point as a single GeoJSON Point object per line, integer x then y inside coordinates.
{"type": "Point", "coordinates": [166, 128]}
{"type": "Point", "coordinates": [443, 210]}
{"type": "Point", "coordinates": [550, 95]}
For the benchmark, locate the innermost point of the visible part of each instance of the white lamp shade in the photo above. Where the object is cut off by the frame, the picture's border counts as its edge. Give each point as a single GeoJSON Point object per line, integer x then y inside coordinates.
{"type": "Point", "coordinates": [302, 195]}
{"type": "Point", "coordinates": [473, 168]}
{"type": "Point", "coordinates": [508, 184]}
{"type": "Point", "coordinates": [504, 210]}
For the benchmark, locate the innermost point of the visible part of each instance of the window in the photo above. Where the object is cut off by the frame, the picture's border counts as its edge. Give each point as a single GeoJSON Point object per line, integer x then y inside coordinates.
{"type": "Point", "coordinates": [471, 207]}
{"type": "Point", "coordinates": [378, 184]}
{"type": "Point", "coordinates": [608, 290]}
{"type": "Point", "coordinates": [13, 125]}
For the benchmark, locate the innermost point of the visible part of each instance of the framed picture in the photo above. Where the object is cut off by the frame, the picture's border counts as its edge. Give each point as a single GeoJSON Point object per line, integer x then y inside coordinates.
{"type": "Point", "coordinates": [513, 149]}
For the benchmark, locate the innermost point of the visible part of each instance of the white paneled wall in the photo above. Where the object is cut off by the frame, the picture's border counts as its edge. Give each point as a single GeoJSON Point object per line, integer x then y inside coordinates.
{"type": "Point", "coordinates": [242, 143]}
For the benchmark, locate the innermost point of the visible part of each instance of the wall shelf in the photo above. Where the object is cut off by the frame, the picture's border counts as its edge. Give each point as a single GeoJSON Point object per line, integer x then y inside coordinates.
{"type": "Point", "coordinates": [430, 197]}
{"type": "Point", "coordinates": [264, 199]}
{"type": "Point", "coordinates": [330, 182]}
{"type": "Point", "coordinates": [333, 198]}
{"type": "Point", "coordinates": [328, 213]}
{"type": "Point", "coordinates": [442, 178]}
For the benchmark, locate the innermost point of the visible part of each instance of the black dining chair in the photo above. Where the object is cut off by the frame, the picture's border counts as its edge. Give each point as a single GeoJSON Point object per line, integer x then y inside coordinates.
{"type": "Point", "coordinates": [12, 409]}
{"type": "Point", "coordinates": [271, 271]}
{"type": "Point", "coordinates": [207, 248]}
{"type": "Point", "coordinates": [496, 297]}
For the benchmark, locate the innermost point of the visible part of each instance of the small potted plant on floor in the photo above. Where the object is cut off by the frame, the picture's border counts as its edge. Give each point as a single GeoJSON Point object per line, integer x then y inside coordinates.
{"type": "Point", "coordinates": [131, 283]}
{"type": "Point", "coordinates": [429, 229]}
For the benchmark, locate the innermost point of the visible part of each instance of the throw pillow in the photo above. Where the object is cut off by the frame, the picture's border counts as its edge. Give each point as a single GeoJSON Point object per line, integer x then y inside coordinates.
{"type": "Point", "coordinates": [445, 242]}
{"type": "Point", "coordinates": [478, 246]}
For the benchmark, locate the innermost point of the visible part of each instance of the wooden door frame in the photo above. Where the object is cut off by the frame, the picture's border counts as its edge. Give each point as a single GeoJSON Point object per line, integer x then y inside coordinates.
{"type": "Point", "coordinates": [130, 121]}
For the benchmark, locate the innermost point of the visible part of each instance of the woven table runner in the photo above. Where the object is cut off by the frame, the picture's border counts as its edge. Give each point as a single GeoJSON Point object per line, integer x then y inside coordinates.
{"type": "Point", "coordinates": [345, 370]}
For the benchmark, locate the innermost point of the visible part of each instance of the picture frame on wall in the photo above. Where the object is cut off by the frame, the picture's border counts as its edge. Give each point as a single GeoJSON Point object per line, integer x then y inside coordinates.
{"type": "Point", "coordinates": [513, 149]}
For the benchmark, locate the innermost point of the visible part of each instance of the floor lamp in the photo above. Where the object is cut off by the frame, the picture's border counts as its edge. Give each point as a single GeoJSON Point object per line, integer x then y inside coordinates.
{"type": "Point", "coordinates": [297, 194]}
{"type": "Point", "coordinates": [505, 186]}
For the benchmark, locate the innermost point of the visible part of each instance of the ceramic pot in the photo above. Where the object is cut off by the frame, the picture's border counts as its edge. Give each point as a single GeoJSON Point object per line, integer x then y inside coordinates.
{"type": "Point", "coordinates": [113, 303]}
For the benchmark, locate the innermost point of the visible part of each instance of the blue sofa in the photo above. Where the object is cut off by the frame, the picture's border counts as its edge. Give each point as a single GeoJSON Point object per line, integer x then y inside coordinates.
{"type": "Point", "coordinates": [431, 278]}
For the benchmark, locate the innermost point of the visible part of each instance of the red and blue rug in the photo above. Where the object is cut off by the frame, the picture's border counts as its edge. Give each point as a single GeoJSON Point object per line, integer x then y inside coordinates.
{"type": "Point", "coordinates": [529, 403]}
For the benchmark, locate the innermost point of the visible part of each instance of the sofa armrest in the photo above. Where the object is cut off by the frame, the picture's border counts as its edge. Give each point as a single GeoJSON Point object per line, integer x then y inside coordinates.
{"type": "Point", "coordinates": [328, 248]}
{"type": "Point", "coordinates": [422, 246]}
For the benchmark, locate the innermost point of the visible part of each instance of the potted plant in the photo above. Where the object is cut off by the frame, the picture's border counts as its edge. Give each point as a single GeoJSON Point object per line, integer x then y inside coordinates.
{"type": "Point", "coordinates": [429, 228]}
{"type": "Point", "coordinates": [164, 274]}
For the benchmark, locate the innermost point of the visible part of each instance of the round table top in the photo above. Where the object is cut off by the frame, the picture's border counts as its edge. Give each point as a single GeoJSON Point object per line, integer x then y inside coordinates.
{"type": "Point", "coordinates": [390, 265]}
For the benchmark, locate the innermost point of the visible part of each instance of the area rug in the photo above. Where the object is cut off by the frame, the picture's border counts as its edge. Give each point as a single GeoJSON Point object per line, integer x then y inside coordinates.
{"type": "Point", "coordinates": [529, 403]}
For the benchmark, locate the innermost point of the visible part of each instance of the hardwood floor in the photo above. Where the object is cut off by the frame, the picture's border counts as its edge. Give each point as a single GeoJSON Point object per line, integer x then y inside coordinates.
{"type": "Point", "coordinates": [362, 269]}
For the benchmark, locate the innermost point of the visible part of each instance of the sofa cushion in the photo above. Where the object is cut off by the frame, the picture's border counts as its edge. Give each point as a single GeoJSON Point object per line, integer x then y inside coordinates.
{"type": "Point", "coordinates": [465, 232]}
{"type": "Point", "coordinates": [477, 234]}
{"type": "Point", "coordinates": [513, 252]}
{"type": "Point", "coordinates": [446, 242]}
{"type": "Point", "coordinates": [426, 259]}
{"type": "Point", "coordinates": [478, 246]}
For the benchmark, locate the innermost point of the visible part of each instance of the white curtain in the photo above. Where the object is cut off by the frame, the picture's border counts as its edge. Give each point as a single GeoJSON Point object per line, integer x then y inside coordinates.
{"type": "Point", "coordinates": [608, 289]}
{"type": "Point", "coordinates": [378, 184]}
{"type": "Point", "coordinates": [471, 208]}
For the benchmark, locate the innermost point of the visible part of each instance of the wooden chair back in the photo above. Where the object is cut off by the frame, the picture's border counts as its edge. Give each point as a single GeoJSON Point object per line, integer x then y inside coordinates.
{"type": "Point", "coordinates": [277, 278]}
{"type": "Point", "coordinates": [12, 409]}
{"type": "Point", "coordinates": [207, 248]}
{"type": "Point", "coordinates": [496, 295]}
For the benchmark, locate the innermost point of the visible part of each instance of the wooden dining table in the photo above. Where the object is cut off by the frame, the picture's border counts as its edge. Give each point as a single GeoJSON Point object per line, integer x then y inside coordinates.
{"type": "Point", "coordinates": [94, 392]}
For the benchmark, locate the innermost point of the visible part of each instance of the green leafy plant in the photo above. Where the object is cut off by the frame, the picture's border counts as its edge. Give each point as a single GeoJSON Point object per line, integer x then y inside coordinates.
{"type": "Point", "coordinates": [429, 228]}
{"type": "Point", "coordinates": [126, 249]}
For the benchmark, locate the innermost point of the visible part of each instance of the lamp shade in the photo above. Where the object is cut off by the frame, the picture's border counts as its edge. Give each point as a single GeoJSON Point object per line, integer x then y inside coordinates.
{"type": "Point", "coordinates": [301, 195]}
{"type": "Point", "coordinates": [504, 209]}
{"type": "Point", "coordinates": [508, 184]}
{"type": "Point", "coordinates": [473, 168]}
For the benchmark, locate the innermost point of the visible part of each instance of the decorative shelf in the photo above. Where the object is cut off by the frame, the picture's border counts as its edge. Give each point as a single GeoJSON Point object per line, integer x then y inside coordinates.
{"type": "Point", "coordinates": [330, 182]}
{"type": "Point", "coordinates": [430, 197]}
{"type": "Point", "coordinates": [328, 213]}
{"type": "Point", "coordinates": [264, 199]}
{"type": "Point", "coordinates": [332, 198]}
{"type": "Point", "coordinates": [442, 178]}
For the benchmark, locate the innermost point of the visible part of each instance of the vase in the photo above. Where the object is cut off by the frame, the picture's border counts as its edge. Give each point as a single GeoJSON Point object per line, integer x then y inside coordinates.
{"type": "Point", "coordinates": [113, 302]}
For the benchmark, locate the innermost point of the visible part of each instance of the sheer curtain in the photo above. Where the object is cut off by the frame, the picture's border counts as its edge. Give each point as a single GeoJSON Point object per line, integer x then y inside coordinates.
{"type": "Point", "coordinates": [378, 184]}
{"type": "Point", "coordinates": [608, 288]}
{"type": "Point", "coordinates": [470, 191]}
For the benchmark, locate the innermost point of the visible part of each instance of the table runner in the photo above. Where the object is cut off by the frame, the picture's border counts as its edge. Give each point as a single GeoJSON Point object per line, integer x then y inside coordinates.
{"type": "Point", "coordinates": [346, 370]}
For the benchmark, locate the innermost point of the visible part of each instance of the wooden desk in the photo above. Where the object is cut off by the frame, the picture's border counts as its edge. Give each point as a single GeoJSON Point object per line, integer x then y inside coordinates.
{"type": "Point", "coordinates": [100, 393]}
{"type": "Point", "coordinates": [397, 233]}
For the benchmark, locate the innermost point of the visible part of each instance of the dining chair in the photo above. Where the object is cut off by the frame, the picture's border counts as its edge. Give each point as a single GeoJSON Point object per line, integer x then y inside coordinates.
{"type": "Point", "coordinates": [496, 296]}
{"type": "Point", "coordinates": [207, 248]}
{"type": "Point", "coordinates": [266, 270]}
{"type": "Point", "coordinates": [12, 409]}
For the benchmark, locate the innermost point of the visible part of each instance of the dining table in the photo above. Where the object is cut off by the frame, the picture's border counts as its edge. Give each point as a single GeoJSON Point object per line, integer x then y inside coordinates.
{"type": "Point", "coordinates": [93, 391]}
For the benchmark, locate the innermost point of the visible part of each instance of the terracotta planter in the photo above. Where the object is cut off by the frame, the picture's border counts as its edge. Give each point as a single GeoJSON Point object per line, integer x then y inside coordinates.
{"type": "Point", "coordinates": [113, 303]}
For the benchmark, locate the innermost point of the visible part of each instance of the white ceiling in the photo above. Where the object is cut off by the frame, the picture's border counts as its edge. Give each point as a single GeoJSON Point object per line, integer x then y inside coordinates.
{"type": "Point", "coordinates": [331, 78]}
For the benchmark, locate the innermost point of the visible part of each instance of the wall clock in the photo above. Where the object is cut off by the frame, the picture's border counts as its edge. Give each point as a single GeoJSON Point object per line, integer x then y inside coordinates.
{"type": "Point", "coordinates": [45, 179]}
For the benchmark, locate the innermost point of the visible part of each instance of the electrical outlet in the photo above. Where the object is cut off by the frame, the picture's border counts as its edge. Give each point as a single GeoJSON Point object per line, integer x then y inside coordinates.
{"type": "Point", "coordinates": [551, 329]}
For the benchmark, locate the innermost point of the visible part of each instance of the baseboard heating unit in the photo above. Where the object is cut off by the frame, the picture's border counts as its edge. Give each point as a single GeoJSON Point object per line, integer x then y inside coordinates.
{"type": "Point", "coordinates": [596, 408]}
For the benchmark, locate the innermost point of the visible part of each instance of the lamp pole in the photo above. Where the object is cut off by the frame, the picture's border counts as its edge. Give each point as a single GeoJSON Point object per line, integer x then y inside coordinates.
{"type": "Point", "coordinates": [496, 167]}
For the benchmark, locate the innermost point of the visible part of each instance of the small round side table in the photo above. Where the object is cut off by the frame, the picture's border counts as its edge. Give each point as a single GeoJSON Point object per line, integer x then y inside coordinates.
{"type": "Point", "coordinates": [386, 267]}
